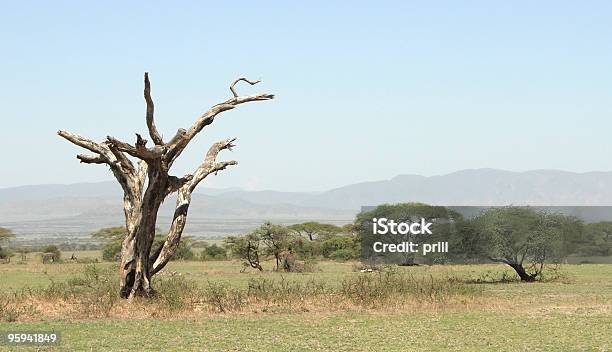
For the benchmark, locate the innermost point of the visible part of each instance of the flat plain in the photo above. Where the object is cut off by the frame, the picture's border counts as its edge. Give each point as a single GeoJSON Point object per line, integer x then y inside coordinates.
{"type": "Point", "coordinates": [572, 312]}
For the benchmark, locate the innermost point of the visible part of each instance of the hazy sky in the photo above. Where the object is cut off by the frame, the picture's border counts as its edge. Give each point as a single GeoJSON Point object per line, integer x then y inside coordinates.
{"type": "Point", "coordinates": [364, 92]}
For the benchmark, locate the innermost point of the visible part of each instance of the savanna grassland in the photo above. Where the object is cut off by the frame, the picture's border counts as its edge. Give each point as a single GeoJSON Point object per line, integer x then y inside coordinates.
{"type": "Point", "coordinates": [218, 305]}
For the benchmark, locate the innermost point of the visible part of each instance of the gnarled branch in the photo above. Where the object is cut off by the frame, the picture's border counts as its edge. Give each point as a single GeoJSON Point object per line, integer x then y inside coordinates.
{"type": "Point", "coordinates": [183, 137]}
{"type": "Point", "coordinates": [175, 183]}
{"type": "Point", "coordinates": [91, 159]}
{"type": "Point", "coordinates": [81, 141]}
{"type": "Point", "coordinates": [184, 187]}
{"type": "Point", "coordinates": [122, 159]}
{"type": "Point", "coordinates": [119, 164]}
{"type": "Point", "coordinates": [155, 136]}
{"type": "Point", "coordinates": [233, 89]}
{"type": "Point", "coordinates": [210, 165]}
{"type": "Point", "coordinates": [159, 260]}
{"type": "Point", "coordinates": [139, 150]}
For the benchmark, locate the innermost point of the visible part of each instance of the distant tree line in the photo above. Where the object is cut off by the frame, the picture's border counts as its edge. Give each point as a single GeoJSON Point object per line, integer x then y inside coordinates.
{"type": "Point", "coordinates": [284, 244]}
{"type": "Point", "coordinates": [523, 238]}
{"type": "Point", "coordinates": [289, 244]}
{"type": "Point", "coordinates": [7, 253]}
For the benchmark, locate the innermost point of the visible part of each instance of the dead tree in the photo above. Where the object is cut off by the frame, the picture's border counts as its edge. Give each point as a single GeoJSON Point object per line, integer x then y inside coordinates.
{"type": "Point", "coordinates": [147, 183]}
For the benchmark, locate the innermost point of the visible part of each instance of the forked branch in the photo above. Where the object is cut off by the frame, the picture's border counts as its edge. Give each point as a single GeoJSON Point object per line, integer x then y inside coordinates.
{"type": "Point", "coordinates": [105, 153]}
{"type": "Point", "coordinates": [184, 186]}
{"type": "Point", "coordinates": [138, 150]}
{"type": "Point", "coordinates": [210, 165]}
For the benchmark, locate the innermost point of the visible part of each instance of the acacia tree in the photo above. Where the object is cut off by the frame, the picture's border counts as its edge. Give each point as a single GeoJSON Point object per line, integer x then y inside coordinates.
{"type": "Point", "coordinates": [6, 234]}
{"type": "Point", "coordinates": [147, 183]}
{"type": "Point", "coordinates": [246, 248]}
{"type": "Point", "coordinates": [275, 238]}
{"type": "Point", "coordinates": [523, 238]}
{"type": "Point", "coordinates": [314, 229]}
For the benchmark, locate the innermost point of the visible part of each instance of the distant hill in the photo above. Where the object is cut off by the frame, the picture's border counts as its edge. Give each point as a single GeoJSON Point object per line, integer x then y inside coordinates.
{"type": "Point", "coordinates": [477, 187]}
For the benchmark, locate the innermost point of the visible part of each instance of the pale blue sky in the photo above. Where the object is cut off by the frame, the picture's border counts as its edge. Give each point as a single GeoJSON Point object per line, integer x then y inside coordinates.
{"type": "Point", "coordinates": [365, 91]}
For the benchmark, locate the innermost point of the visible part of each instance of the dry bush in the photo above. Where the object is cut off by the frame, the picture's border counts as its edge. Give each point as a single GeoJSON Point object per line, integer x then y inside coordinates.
{"type": "Point", "coordinates": [392, 287]}
{"type": "Point", "coordinates": [93, 294]}
{"type": "Point", "coordinates": [222, 298]}
{"type": "Point", "coordinates": [12, 307]}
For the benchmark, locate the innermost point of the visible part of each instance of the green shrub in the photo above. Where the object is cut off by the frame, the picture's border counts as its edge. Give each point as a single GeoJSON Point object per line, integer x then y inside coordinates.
{"type": "Point", "coordinates": [213, 252]}
{"type": "Point", "coordinates": [95, 291]}
{"type": "Point", "coordinates": [183, 252]}
{"type": "Point", "coordinates": [343, 254]}
{"type": "Point", "coordinates": [305, 248]}
{"type": "Point", "coordinates": [53, 249]}
{"type": "Point", "coordinates": [340, 247]}
{"type": "Point", "coordinates": [222, 298]}
{"type": "Point", "coordinates": [111, 250]}
{"type": "Point", "coordinates": [6, 253]}
{"type": "Point", "coordinates": [176, 292]}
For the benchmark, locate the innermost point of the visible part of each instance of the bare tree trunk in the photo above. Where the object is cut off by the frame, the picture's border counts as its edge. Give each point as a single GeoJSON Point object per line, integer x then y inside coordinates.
{"type": "Point", "coordinates": [140, 204]}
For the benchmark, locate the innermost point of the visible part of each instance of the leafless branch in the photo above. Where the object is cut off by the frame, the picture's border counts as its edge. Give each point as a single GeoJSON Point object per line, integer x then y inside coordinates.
{"type": "Point", "coordinates": [122, 159]}
{"type": "Point", "coordinates": [91, 159]}
{"type": "Point", "coordinates": [175, 183]}
{"type": "Point", "coordinates": [233, 89]}
{"type": "Point", "coordinates": [155, 136]}
{"type": "Point", "coordinates": [210, 165]}
{"type": "Point", "coordinates": [183, 137]}
{"type": "Point", "coordinates": [138, 151]}
{"type": "Point", "coordinates": [81, 141]}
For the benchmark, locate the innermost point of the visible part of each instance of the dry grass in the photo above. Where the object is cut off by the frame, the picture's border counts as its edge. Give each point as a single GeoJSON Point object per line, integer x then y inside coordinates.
{"type": "Point", "coordinates": [202, 290]}
{"type": "Point", "coordinates": [92, 295]}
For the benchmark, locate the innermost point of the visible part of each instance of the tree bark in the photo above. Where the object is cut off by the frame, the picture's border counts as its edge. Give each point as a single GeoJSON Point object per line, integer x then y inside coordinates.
{"type": "Point", "coordinates": [140, 204]}
{"type": "Point", "coordinates": [520, 270]}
